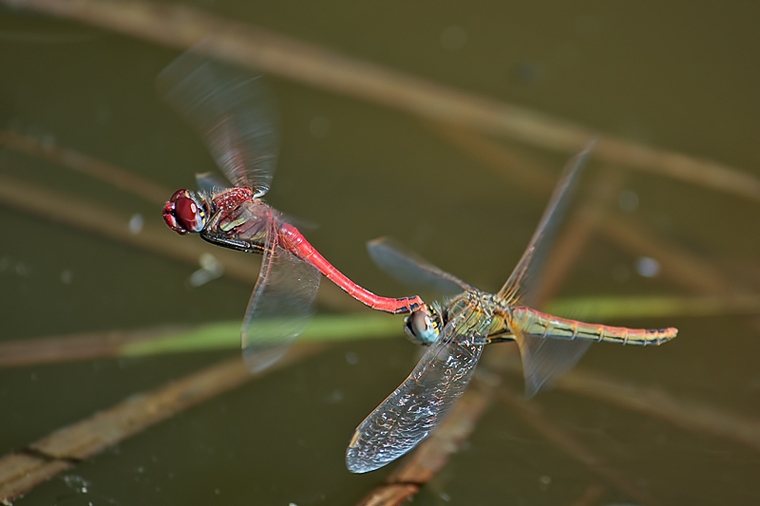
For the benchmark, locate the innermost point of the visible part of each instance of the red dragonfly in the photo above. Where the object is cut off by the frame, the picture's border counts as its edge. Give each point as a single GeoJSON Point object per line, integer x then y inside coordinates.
{"type": "Point", "coordinates": [234, 114]}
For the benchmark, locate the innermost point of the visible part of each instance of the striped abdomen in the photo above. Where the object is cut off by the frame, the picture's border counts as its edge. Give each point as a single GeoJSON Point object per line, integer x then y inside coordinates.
{"type": "Point", "coordinates": [536, 323]}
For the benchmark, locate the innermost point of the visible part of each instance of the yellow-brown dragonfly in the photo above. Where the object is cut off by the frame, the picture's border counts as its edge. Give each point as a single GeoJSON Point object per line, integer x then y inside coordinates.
{"type": "Point", "coordinates": [458, 330]}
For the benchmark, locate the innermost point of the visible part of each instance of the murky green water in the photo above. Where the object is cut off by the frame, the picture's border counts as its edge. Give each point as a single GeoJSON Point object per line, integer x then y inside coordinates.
{"type": "Point", "coordinates": [682, 77]}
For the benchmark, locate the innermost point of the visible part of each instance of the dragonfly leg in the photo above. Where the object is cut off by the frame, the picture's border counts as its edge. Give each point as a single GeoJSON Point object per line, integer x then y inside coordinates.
{"type": "Point", "coordinates": [500, 338]}
{"type": "Point", "coordinates": [237, 244]}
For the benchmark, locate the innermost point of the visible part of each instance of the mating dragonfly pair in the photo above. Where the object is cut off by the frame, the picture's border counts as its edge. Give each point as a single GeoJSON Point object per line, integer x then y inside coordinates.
{"type": "Point", "coordinates": [234, 114]}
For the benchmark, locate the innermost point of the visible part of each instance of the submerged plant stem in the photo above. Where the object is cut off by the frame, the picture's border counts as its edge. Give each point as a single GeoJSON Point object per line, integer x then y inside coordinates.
{"type": "Point", "coordinates": [211, 336]}
{"type": "Point", "coordinates": [327, 328]}
{"type": "Point", "coordinates": [611, 308]}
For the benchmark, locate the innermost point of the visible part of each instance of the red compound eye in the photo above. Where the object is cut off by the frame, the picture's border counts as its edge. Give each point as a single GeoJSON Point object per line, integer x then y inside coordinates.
{"type": "Point", "coordinates": [183, 214]}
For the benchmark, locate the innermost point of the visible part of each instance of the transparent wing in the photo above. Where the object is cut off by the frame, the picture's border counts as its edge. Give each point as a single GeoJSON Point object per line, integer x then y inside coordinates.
{"type": "Point", "coordinates": [411, 269]}
{"type": "Point", "coordinates": [281, 304]}
{"type": "Point", "coordinates": [418, 405]}
{"type": "Point", "coordinates": [518, 285]}
{"type": "Point", "coordinates": [232, 110]}
{"type": "Point", "coordinates": [545, 360]}
{"type": "Point", "coordinates": [209, 183]}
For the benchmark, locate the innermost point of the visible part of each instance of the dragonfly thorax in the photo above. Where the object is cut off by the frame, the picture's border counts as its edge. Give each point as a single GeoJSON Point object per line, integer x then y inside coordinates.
{"type": "Point", "coordinates": [185, 212]}
{"type": "Point", "coordinates": [425, 325]}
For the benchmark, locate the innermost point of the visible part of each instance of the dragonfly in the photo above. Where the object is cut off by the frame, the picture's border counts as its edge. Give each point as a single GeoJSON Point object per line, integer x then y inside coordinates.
{"type": "Point", "coordinates": [458, 330]}
{"type": "Point", "coordinates": [233, 112]}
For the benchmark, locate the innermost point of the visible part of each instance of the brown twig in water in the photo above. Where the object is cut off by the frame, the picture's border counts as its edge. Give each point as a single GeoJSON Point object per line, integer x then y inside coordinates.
{"type": "Point", "coordinates": [182, 27]}
{"type": "Point", "coordinates": [390, 494]}
{"type": "Point", "coordinates": [97, 169]}
{"type": "Point", "coordinates": [531, 414]}
{"type": "Point", "coordinates": [517, 169]}
{"type": "Point", "coordinates": [654, 402]}
{"type": "Point", "coordinates": [657, 403]}
{"type": "Point", "coordinates": [678, 265]}
{"type": "Point", "coordinates": [592, 494]}
{"type": "Point", "coordinates": [64, 448]}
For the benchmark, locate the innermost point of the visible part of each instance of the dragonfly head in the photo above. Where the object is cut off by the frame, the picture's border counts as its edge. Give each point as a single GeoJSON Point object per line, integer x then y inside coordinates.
{"type": "Point", "coordinates": [185, 213]}
{"type": "Point", "coordinates": [424, 325]}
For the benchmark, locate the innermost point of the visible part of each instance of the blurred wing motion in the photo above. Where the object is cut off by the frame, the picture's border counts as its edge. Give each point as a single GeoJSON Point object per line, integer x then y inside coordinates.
{"type": "Point", "coordinates": [209, 182]}
{"type": "Point", "coordinates": [281, 304]}
{"type": "Point", "coordinates": [527, 271]}
{"type": "Point", "coordinates": [418, 405]}
{"type": "Point", "coordinates": [232, 110]}
{"type": "Point", "coordinates": [410, 269]}
{"type": "Point", "coordinates": [545, 359]}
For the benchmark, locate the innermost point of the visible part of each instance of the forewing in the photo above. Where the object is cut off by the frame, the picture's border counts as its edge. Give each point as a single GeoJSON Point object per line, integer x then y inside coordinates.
{"type": "Point", "coordinates": [232, 110]}
{"type": "Point", "coordinates": [411, 269]}
{"type": "Point", "coordinates": [519, 284]}
{"type": "Point", "coordinates": [420, 403]}
{"type": "Point", "coordinates": [280, 307]}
